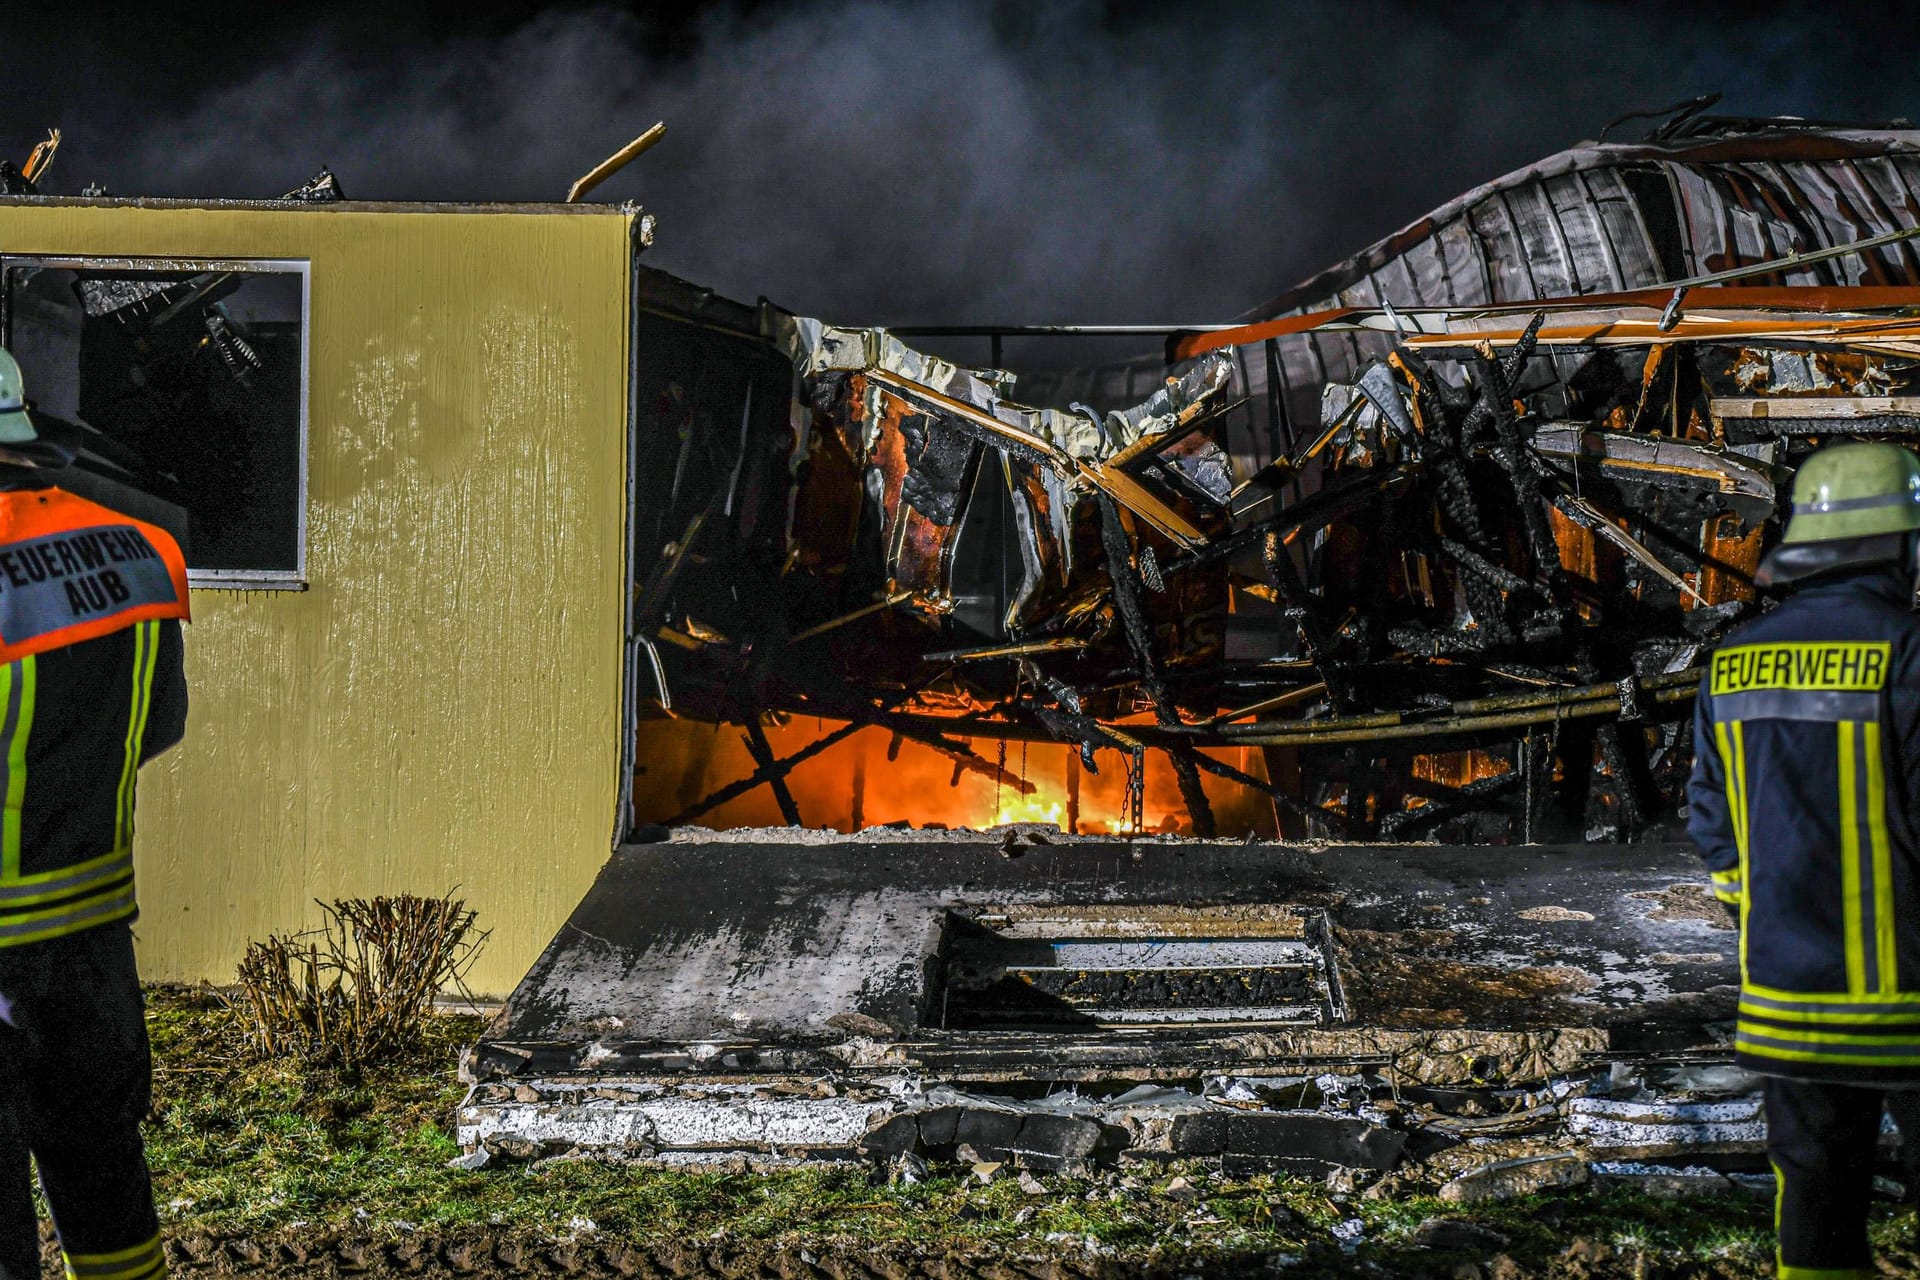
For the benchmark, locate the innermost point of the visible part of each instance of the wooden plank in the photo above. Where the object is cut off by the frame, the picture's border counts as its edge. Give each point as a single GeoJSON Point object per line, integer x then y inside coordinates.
{"type": "Point", "coordinates": [1123, 488]}
{"type": "Point", "coordinates": [615, 162]}
{"type": "Point", "coordinates": [1135, 497]}
{"type": "Point", "coordinates": [1840, 408]}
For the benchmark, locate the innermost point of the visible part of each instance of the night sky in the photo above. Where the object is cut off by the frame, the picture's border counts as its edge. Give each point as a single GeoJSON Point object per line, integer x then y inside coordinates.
{"type": "Point", "coordinates": [885, 162]}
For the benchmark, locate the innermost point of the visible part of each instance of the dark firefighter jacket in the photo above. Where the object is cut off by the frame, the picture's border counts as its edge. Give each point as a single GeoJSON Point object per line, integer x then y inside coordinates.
{"type": "Point", "coordinates": [1804, 802]}
{"type": "Point", "coordinates": [76, 723]}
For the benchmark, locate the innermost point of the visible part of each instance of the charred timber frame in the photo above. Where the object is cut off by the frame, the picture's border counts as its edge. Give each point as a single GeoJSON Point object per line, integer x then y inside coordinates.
{"type": "Point", "coordinates": [1440, 457]}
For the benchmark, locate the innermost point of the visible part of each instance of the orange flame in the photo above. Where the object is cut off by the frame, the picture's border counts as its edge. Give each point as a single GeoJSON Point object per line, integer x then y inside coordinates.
{"type": "Point", "coordinates": [680, 762]}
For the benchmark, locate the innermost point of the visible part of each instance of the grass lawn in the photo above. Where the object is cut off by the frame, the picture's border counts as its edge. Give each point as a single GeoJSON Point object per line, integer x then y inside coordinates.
{"type": "Point", "coordinates": [245, 1149]}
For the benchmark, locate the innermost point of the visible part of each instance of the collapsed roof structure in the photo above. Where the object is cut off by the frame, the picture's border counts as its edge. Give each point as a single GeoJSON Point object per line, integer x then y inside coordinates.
{"type": "Point", "coordinates": [1442, 532]}
{"type": "Point", "coordinates": [1437, 540]}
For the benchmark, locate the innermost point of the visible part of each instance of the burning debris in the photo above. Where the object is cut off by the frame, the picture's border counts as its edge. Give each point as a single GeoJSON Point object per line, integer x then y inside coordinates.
{"type": "Point", "coordinates": [1464, 601]}
{"type": "Point", "coordinates": [1445, 611]}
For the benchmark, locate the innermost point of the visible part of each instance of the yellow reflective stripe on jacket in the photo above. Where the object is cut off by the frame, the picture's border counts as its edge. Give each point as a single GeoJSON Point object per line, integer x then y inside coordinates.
{"type": "Point", "coordinates": [146, 645]}
{"type": "Point", "coordinates": [66, 883]}
{"type": "Point", "coordinates": [1835, 1055]}
{"type": "Point", "coordinates": [1733, 764]}
{"type": "Point", "coordinates": [1831, 1028]}
{"type": "Point", "coordinates": [137, 1263]}
{"type": "Point", "coordinates": [1866, 861]}
{"type": "Point", "coordinates": [1886, 954]}
{"type": "Point", "coordinates": [129, 763]}
{"type": "Point", "coordinates": [54, 904]}
{"type": "Point", "coordinates": [18, 681]}
{"type": "Point", "coordinates": [58, 922]}
{"type": "Point", "coordinates": [1873, 999]}
{"type": "Point", "coordinates": [1726, 886]}
{"type": "Point", "coordinates": [1850, 861]}
{"type": "Point", "coordinates": [1824, 1017]}
{"type": "Point", "coordinates": [61, 873]}
{"type": "Point", "coordinates": [1811, 1039]}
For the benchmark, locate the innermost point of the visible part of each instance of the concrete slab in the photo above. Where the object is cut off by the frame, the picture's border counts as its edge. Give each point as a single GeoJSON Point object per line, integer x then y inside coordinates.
{"type": "Point", "coordinates": [748, 959]}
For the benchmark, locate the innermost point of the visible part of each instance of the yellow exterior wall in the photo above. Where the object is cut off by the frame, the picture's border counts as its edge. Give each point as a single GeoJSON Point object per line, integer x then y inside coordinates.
{"type": "Point", "coordinates": [442, 706]}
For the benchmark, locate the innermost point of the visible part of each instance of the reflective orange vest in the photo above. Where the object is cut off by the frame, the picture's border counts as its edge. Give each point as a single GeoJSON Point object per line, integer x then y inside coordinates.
{"type": "Point", "coordinates": [73, 570]}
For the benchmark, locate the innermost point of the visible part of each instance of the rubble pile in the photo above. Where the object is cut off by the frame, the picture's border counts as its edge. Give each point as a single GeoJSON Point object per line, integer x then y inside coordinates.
{"type": "Point", "coordinates": [1671, 1129]}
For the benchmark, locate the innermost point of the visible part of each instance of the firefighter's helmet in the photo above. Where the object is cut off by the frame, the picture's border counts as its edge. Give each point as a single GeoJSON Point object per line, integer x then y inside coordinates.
{"type": "Point", "coordinates": [1855, 491]}
{"type": "Point", "coordinates": [15, 426]}
{"type": "Point", "coordinates": [1855, 506]}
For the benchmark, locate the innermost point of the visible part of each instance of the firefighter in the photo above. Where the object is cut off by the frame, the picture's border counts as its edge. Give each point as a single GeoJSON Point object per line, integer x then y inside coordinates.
{"type": "Point", "coordinates": [1805, 803]}
{"type": "Point", "coordinates": [91, 686]}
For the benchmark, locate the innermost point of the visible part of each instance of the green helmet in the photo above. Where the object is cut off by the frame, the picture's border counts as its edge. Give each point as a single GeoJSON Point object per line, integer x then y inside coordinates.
{"type": "Point", "coordinates": [15, 426]}
{"type": "Point", "coordinates": [1854, 491]}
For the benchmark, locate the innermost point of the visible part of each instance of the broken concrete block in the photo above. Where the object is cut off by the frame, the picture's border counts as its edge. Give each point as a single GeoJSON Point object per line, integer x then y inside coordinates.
{"type": "Point", "coordinates": [1509, 1179]}
{"type": "Point", "coordinates": [1056, 1141]}
{"type": "Point", "coordinates": [937, 1125]}
{"type": "Point", "coordinates": [987, 1131]}
{"type": "Point", "coordinates": [1198, 1134]}
{"type": "Point", "coordinates": [895, 1136]}
{"type": "Point", "coordinates": [1307, 1142]}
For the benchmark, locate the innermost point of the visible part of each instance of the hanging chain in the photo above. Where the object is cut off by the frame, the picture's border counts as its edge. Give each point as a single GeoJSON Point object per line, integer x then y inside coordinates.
{"type": "Point", "coordinates": [999, 781]}
{"type": "Point", "coordinates": [1137, 790]}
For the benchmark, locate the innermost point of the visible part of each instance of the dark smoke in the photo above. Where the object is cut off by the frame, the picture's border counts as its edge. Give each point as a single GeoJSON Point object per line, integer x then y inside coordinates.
{"type": "Point", "coordinates": [874, 162]}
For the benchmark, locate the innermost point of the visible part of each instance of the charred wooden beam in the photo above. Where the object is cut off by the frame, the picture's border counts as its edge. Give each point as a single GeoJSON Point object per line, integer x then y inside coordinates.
{"type": "Point", "coordinates": [764, 773]}
{"type": "Point", "coordinates": [1126, 599]}
{"type": "Point", "coordinates": [928, 731]}
{"type": "Point", "coordinates": [776, 777]}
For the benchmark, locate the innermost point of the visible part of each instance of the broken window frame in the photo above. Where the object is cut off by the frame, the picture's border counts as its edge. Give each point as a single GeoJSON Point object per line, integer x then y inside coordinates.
{"type": "Point", "coordinates": [284, 579]}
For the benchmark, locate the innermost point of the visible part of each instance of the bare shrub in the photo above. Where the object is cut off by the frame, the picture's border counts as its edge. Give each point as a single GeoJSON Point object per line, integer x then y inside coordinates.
{"type": "Point", "coordinates": [357, 989]}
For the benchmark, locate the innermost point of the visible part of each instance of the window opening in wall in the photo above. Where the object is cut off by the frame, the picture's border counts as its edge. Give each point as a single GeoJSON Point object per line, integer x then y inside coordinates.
{"type": "Point", "coordinates": [185, 384]}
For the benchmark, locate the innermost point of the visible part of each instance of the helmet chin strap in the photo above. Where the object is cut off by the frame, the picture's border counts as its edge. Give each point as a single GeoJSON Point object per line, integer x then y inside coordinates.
{"type": "Point", "coordinates": [43, 455]}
